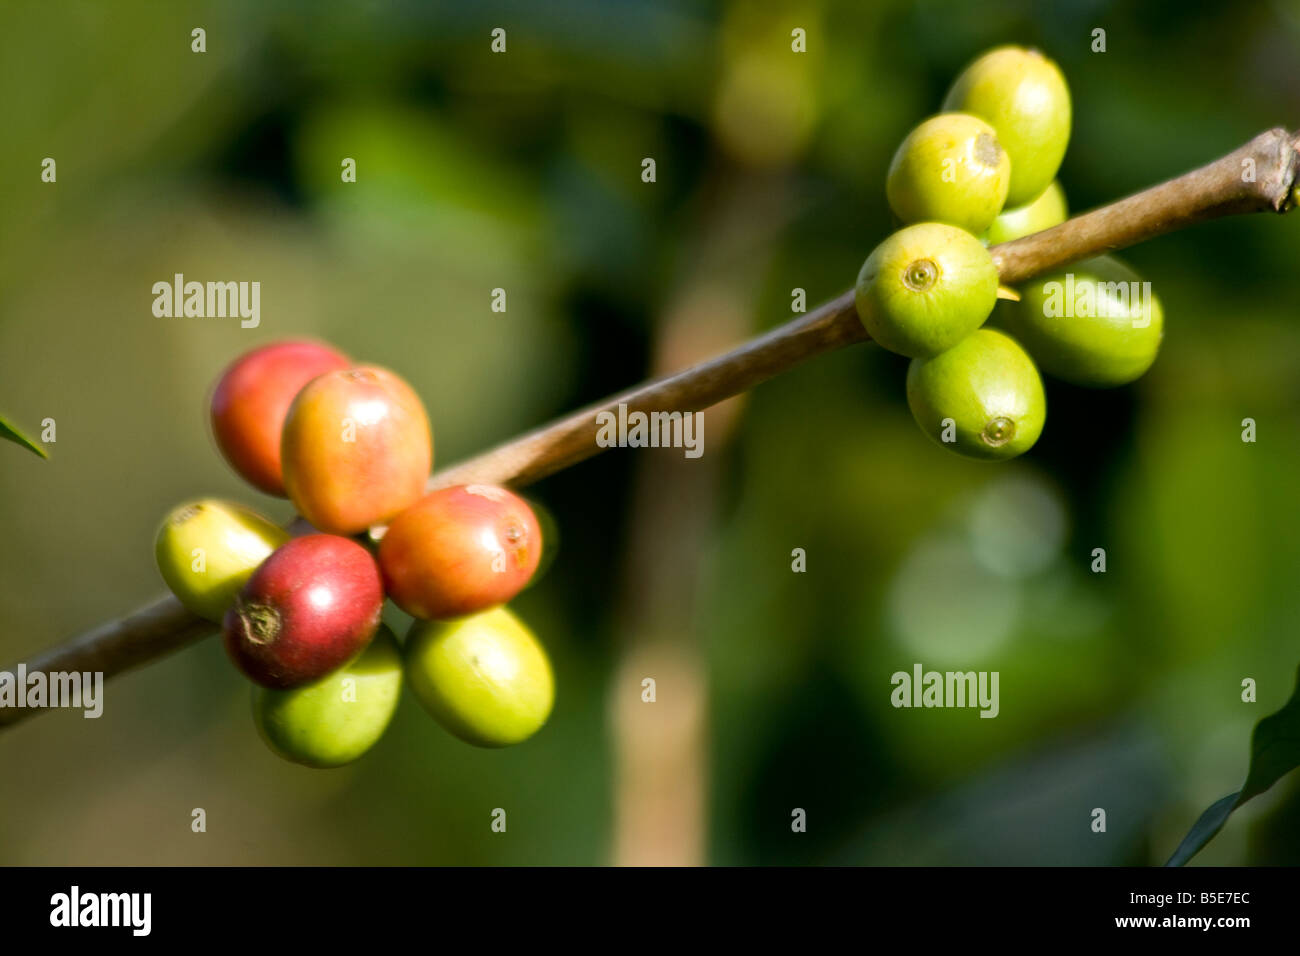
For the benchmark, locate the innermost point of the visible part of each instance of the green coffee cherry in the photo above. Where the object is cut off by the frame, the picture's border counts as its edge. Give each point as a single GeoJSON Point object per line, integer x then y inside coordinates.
{"type": "Point", "coordinates": [1023, 95]}
{"type": "Point", "coordinates": [207, 549]}
{"type": "Point", "coordinates": [1094, 323]}
{"type": "Point", "coordinates": [926, 288]}
{"type": "Point", "coordinates": [484, 677]}
{"type": "Point", "coordinates": [333, 721]}
{"type": "Point", "coordinates": [949, 169]}
{"type": "Point", "coordinates": [982, 398]}
{"type": "Point", "coordinates": [1046, 211]}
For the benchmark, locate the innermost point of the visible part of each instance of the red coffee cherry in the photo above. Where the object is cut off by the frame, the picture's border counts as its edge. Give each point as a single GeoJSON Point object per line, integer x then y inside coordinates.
{"type": "Point", "coordinates": [459, 550]}
{"type": "Point", "coordinates": [252, 398]}
{"type": "Point", "coordinates": [356, 449]}
{"type": "Point", "coordinates": [311, 607]}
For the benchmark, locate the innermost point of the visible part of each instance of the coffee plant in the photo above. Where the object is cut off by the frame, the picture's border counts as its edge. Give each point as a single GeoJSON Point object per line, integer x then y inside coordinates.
{"type": "Point", "coordinates": [981, 214]}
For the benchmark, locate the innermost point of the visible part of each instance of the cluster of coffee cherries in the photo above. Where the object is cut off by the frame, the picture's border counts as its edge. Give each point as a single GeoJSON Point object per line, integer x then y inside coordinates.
{"type": "Point", "coordinates": [351, 447]}
{"type": "Point", "coordinates": [981, 173]}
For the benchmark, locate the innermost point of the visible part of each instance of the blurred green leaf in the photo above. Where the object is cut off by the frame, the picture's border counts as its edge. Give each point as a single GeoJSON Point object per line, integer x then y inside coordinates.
{"type": "Point", "coordinates": [14, 435]}
{"type": "Point", "coordinates": [1274, 752]}
{"type": "Point", "coordinates": [1203, 830]}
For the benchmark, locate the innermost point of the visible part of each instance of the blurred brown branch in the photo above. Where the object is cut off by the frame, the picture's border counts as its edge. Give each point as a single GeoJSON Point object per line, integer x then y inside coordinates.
{"type": "Point", "coordinates": [1257, 177]}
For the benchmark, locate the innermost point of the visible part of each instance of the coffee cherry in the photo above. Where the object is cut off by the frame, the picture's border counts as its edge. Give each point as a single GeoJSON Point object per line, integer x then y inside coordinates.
{"type": "Point", "coordinates": [459, 550]}
{"type": "Point", "coordinates": [982, 398]}
{"type": "Point", "coordinates": [1094, 323]}
{"type": "Point", "coordinates": [484, 677]}
{"type": "Point", "coordinates": [356, 448]}
{"type": "Point", "coordinates": [207, 549]}
{"type": "Point", "coordinates": [949, 169]}
{"type": "Point", "coordinates": [1023, 95]}
{"type": "Point", "coordinates": [310, 608]}
{"type": "Point", "coordinates": [252, 398]}
{"type": "Point", "coordinates": [926, 288]}
{"type": "Point", "coordinates": [1046, 211]}
{"type": "Point", "coordinates": [333, 721]}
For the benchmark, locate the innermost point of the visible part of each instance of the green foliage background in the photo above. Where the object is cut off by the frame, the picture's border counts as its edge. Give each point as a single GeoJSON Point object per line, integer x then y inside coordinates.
{"type": "Point", "coordinates": [521, 171]}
